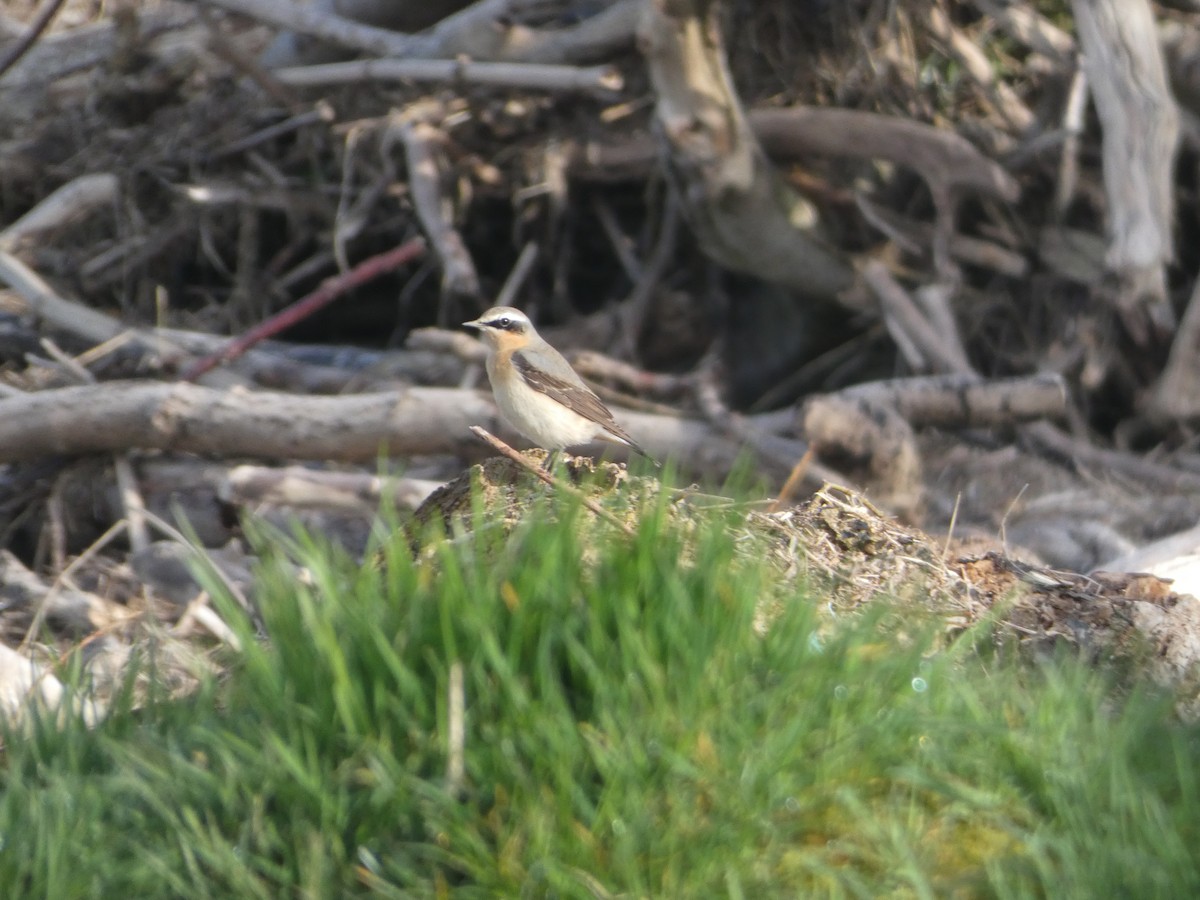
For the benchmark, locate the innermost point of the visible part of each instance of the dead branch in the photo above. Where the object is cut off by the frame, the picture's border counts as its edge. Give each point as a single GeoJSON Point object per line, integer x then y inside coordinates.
{"type": "Point", "coordinates": [1073, 123]}
{"type": "Point", "coordinates": [309, 369]}
{"type": "Point", "coordinates": [597, 366]}
{"type": "Point", "coordinates": [423, 150]}
{"type": "Point", "coordinates": [72, 201]}
{"type": "Point", "coordinates": [187, 418]}
{"type": "Point", "coordinates": [1125, 68]}
{"type": "Point", "coordinates": [963, 401]}
{"type": "Point", "coordinates": [1176, 395]}
{"type": "Point", "coordinates": [1011, 107]}
{"type": "Point", "coordinates": [329, 290]}
{"type": "Point", "coordinates": [602, 80]}
{"type": "Point", "coordinates": [925, 341]}
{"type": "Point", "coordinates": [947, 162]}
{"type": "Point", "coordinates": [28, 688]}
{"type": "Point", "coordinates": [780, 454]}
{"type": "Point", "coordinates": [743, 214]}
{"type": "Point", "coordinates": [1024, 23]}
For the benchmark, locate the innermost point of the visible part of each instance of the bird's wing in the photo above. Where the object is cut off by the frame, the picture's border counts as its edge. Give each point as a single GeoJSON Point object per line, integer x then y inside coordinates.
{"type": "Point", "coordinates": [575, 397]}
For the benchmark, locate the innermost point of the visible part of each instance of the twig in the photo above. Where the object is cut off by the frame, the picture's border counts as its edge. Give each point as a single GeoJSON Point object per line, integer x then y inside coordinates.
{"type": "Point", "coordinates": [937, 349]}
{"type": "Point", "coordinates": [1073, 124]}
{"type": "Point", "coordinates": [321, 112]}
{"type": "Point", "coordinates": [500, 447]}
{"type": "Point", "coordinates": [516, 278]}
{"type": "Point", "coordinates": [526, 76]}
{"type": "Point", "coordinates": [327, 26]}
{"type": "Point", "coordinates": [329, 290]}
{"type": "Point", "coordinates": [71, 201]}
{"type": "Point", "coordinates": [793, 480]}
{"type": "Point", "coordinates": [27, 40]}
{"type": "Point", "coordinates": [198, 550]}
{"type": "Point", "coordinates": [39, 616]}
{"type": "Point", "coordinates": [200, 611]}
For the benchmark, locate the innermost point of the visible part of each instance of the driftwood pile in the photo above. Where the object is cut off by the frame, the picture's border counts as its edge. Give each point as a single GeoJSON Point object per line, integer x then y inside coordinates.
{"type": "Point", "coordinates": [935, 250]}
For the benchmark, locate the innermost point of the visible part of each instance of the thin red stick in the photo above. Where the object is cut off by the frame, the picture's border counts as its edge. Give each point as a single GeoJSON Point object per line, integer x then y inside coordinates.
{"type": "Point", "coordinates": [328, 291]}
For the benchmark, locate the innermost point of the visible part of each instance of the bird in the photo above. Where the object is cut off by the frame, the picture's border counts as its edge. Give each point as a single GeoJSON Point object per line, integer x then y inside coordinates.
{"type": "Point", "coordinates": [538, 391]}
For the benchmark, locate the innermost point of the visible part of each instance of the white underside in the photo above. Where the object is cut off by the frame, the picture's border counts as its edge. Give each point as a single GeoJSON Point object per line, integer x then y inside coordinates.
{"type": "Point", "coordinates": [544, 421]}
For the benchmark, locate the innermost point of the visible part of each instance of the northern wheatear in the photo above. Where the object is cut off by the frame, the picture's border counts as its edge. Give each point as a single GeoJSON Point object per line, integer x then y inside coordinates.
{"type": "Point", "coordinates": [538, 391]}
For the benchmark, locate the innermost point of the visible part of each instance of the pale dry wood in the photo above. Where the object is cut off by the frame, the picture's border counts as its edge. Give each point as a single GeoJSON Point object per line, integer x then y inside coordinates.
{"type": "Point", "coordinates": [948, 163]}
{"type": "Point", "coordinates": [75, 199]}
{"type": "Point", "coordinates": [928, 342]}
{"type": "Point", "coordinates": [1074, 120]}
{"type": "Point", "coordinates": [1021, 21]}
{"type": "Point", "coordinates": [742, 212]}
{"type": "Point", "coordinates": [424, 146]}
{"type": "Point", "coordinates": [527, 76]}
{"type": "Point", "coordinates": [962, 401]}
{"type": "Point", "coordinates": [132, 503]}
{"type": "Point", "coordinates": [976, 63]}
{"type": "Point", "coordinates": [1176, 394]}
{"type": "Point", "coordinates": [188, 418]}
{"type": "Point", "coordinates": [1140, 120]}
{"type": "Point", "coordinates": [778, 455]}
{"type": "Point", "coordinates": [26, 687]}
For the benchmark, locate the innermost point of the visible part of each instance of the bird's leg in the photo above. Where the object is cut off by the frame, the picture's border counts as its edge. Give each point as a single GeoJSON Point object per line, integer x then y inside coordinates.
{"type": "Point", "coordinates": [551, 460]}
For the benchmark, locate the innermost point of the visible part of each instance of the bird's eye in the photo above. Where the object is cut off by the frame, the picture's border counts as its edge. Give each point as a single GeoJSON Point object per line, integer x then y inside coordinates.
{"type": "Point", "coordinates": [504, 322]}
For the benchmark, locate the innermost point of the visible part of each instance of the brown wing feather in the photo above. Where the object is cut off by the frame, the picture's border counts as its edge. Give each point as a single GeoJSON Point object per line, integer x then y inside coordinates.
{"type": "Point", "coordinates": [574, 397]}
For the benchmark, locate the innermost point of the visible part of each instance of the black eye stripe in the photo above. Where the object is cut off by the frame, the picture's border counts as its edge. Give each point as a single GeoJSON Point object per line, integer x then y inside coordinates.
{"type": "Point", "coordinates": [504, 323]}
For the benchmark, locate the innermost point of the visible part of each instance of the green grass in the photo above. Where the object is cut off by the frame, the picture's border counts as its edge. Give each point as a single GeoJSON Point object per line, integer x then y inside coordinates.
{"type": "Point", "coordinates": [626, 734]}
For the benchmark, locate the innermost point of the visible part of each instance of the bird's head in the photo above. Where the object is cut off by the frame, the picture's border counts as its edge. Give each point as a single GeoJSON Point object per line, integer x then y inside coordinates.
{"type": "Point", "coordinates": [504, 327]}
